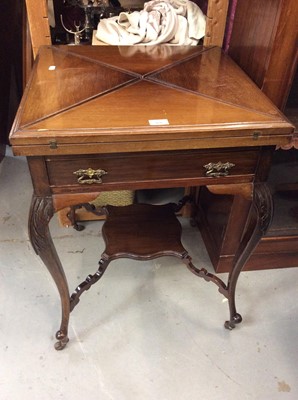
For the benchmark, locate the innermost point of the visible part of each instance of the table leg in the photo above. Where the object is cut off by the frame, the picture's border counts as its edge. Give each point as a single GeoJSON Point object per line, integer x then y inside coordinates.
{"type": "Point", "coordinates": [41, 212]}
{"type": "Point", "coordinates": [258, 224]}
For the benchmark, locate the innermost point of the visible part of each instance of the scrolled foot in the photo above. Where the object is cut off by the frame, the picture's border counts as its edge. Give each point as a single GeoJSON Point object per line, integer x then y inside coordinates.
{"type": "Point", "coordinates": [62, 340]}
{"type": "Point", "coordinates": [60, 345]}
{"type": "Point", "coordinates": [236, 319]}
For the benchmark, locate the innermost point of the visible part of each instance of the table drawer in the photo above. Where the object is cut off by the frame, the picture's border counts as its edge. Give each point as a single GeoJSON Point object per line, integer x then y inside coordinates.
{"type": "Point", "coordinates": [137, 170]}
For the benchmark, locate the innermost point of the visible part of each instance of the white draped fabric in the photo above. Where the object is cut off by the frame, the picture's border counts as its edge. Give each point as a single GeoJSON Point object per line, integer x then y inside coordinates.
{"type": "Point", "coordinates": [179, 22]}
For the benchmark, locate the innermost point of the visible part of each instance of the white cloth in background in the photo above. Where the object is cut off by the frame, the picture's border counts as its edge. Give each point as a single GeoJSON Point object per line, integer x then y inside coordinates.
{"type": "Point", "coordinates": [178, 22]}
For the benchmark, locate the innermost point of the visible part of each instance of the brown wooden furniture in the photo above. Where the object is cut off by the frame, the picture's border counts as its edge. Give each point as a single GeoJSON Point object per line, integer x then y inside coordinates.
{"type": "Point", "coordinates": [264, 44]}
{"type": "Point", "coordinates": [216, 12]}
{"type": "Point", "coordinates": [110, 118]}
{"type": "Point", "coordinates": [144, 232]}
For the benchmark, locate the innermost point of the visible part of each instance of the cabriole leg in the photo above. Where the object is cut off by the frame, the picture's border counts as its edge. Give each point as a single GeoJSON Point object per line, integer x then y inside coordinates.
{"type": "Point", "coordinates": [41, 212]}
{"type": "Point", "coordinates": [258, 224]}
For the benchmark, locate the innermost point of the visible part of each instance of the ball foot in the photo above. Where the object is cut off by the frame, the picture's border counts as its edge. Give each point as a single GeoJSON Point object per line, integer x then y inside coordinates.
{"type": "Point", "coordinates": [236, 319]}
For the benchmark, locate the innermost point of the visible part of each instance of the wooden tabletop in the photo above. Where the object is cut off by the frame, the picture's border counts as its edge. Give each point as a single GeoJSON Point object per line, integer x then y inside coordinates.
{"type": "Point", "coordinates": [110, 99]}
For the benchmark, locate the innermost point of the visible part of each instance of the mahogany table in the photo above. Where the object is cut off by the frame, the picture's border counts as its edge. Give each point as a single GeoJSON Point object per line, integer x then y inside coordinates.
{"type": "Point", "coordinates": [107, 118]}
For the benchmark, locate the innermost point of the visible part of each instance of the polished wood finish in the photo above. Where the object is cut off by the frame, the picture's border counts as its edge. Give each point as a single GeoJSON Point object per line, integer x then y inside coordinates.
{"type": "Point", "coordinates": [133, 170]}
{"type": "Point", "coordinates": [264, 44]}
{"type": "Point", "coordinates": [204, 107]}
{"type": "Point", "coordinates": [142, 231]}
{"type": "Point", "coordinates": [148, 118]}
{"type": "Point", "coordinates": [38, 24]}
{"type": "Point", "coordinates": [216, 22]}
{"type": "Point", "coordinates": [38, 34]}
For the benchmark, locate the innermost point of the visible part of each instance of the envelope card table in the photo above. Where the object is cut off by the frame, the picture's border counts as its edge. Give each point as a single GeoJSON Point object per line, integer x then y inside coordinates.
{"type": "Point", "coordinates": [105, 118]}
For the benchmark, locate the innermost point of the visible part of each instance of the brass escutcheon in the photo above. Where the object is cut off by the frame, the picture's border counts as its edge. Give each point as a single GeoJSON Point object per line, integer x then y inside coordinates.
{"type": "Point", "coordinates": [256, 135]}
{"type": "Point", "coordinates": [218, 169]}
{"type": "Point", "coordinates": [53, 144]}
{"type": "Point", "coordinates": [90, 176]}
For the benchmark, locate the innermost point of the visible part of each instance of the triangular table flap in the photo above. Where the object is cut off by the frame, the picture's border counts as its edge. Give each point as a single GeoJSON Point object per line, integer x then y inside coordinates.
{"type": "Point", "coordinates": [63, 80]}
{"type": "Point", "coordinates": [136, 105]}
{"type": "Point", "coordinates": [213, 74]}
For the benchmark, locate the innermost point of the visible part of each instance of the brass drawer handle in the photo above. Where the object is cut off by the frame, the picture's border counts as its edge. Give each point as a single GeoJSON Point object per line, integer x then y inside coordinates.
{"type": "Point", "coordinates": [90, 176]}
{"type": "Point", "coordinates": [218, 169]}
